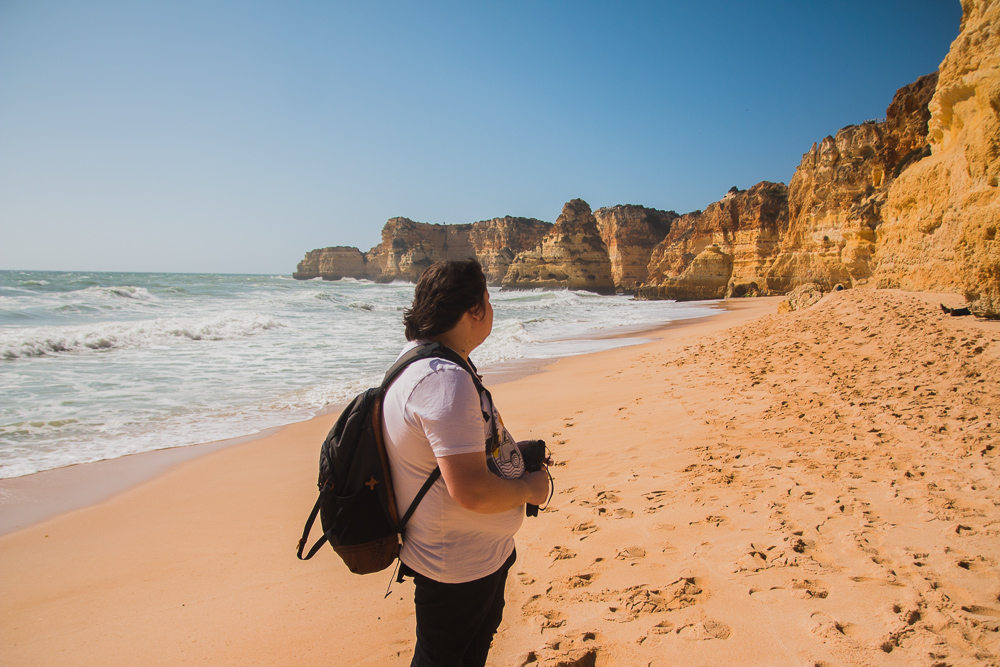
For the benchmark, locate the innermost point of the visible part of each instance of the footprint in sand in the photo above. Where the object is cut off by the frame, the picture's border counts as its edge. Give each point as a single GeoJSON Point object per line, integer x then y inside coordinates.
{"type": "Point", "coordinates": [641, 601]}
{"type": "Point", "coordinates": [663, 628]}
{"type": "Point", "coordinates": [656, 498]}
{"type": "Point", "coordinates": [578, 580]}
{"type": "Point", "coordinates": [908, 615]}
{"type": "Point", "coordinates": [602, 498]}
{"type": "Point", "coordinates": [580, 650]}
{"type": "Point", "coordinates": [584, 529]}
{"type": "Point", "coordinates": [550, 619]}
{"type": "Point", "coordinates": [824, 625]}
{"type": "Point", "coordinates": [873, 580]}
{"type": "Point", "coordinates": [631, 553]}
{"type": "Point", "coordinates": [808, 588]}
{"type": "Point", "coordinates": [561, 553]}
{"type": "Point", "coordinates": [714, 520]}
{"type": "Point", "coordinates": [980, 610]}
{"type": "Point", "coordinates": [704, 630]}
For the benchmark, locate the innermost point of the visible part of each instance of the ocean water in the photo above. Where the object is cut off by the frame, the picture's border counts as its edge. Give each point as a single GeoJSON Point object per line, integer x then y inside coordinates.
{"type": "Point", "coordinates": [100, 365]}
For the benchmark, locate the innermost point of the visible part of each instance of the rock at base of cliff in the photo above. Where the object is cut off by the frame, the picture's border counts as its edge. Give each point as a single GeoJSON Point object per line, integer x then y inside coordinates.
{"type": "Point", "coordinates": [707, 277]}
{"type": "Point", "coordinates": [801, 298]}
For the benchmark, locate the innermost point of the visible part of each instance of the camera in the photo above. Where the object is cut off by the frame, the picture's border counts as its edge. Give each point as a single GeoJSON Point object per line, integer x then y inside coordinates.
{"type": "Point", "coordinates": [533, 453]}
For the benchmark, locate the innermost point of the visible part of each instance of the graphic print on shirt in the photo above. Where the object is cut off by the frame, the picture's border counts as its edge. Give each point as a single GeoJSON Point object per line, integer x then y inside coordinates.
{"type": "Point", "coordinates": [503, 458]}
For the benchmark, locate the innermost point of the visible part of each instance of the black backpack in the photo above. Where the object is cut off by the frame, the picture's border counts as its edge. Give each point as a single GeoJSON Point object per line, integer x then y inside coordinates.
{"type": "Point", "coordinates": [356, 504]}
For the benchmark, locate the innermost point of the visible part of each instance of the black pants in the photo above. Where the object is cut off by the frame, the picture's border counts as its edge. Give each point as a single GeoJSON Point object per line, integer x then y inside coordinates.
{"type": "Point", "coordinates": [456, 622]}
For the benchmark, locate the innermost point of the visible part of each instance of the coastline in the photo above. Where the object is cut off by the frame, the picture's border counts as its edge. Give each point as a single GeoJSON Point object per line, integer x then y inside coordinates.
{"type": "Point", "coordinates": [752, 488]}
{"type": "Point", "coordinates": [31, 499]}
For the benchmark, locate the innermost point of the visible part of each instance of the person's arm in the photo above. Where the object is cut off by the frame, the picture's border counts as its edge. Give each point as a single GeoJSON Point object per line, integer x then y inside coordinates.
{"type": "Point", "coordinates": [475, 488]}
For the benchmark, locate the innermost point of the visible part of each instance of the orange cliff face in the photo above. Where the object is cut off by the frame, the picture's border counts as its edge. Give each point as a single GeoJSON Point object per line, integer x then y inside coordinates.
{"type": "Point", "coordinates": [631, 233]}
{"type": "Point", "coordinates": [838, 191]}
{"type": "Point", "coordinates": [941, 217]}
{"type": "Point", "coordinates": [721, 251]}
{"type": "Point", "coordinates": [409, 247]}
{"type": "Point", "coordinates": [820, 230]}
{"type": "Point", "coordinates": [571, 256]}
{"type": "Point", "coordinates": [498, 241]}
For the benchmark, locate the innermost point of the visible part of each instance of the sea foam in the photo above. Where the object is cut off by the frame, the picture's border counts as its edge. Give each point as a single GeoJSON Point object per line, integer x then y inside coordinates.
{"type": "Point", "coordinates": [41, 341]}
{"type": "Point", "coordinates": [100, 365]}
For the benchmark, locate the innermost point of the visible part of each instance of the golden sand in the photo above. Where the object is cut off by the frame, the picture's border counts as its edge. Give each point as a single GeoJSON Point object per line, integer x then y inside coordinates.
{"type": "Point", "coordinates": [812, 488]}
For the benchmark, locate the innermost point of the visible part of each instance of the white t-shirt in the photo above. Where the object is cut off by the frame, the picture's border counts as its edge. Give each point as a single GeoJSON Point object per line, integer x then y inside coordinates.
{"type": "Point", "coordinates": [433, 410]}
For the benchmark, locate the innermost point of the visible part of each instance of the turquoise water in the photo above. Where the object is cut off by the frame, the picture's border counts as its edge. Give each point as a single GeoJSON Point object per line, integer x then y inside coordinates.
{"type": "Point", "coordinates": [99, 365]}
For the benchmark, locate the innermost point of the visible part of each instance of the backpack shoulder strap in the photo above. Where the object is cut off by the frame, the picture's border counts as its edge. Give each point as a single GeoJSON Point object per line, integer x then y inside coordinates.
{"type": "Point", "coordinates": [430, 350]}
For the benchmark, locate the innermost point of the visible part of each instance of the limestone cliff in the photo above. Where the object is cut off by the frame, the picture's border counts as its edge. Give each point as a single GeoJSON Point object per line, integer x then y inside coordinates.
{"type": "Point", "coordinates": [572, 255]}
{"type": "Point", "coordinates": [724, 250]}
{"type": "Point", "coordinates": [333, 264]}
{"type": "Point", "coordinates": [409, 247]}
{"type": "Point", "coordinates": [496, 242]}
{"type": "Point", "coordinates": [838, 191]}
{"type": "Point", "coordinates": [630, 234]}
{"type": "Point", "coordinates": [942, 213]}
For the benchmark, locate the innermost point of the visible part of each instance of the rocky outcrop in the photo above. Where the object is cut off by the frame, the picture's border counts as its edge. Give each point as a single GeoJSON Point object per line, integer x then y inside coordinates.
{"type": "Point", "coordinates": [724, 250]}
{"type": "Point", "coordinates": [409, 247]}
{"type": "Point", "coordinates": [333, 264]}
{"type": "Point", "coordinates": [801, 298]}
{"type": "Point", "coordinates": [572, 255]}
{"type": "Point", "coordinates": [631, 233]}
{"type": "Point", "coordinates": [941, 217]}
{"type": "Point", "coordinates": [496, 242]}
{"type": "Point", "coordinates": [839, 189]}
{"type": "Point", "coordinates": [906, 123]}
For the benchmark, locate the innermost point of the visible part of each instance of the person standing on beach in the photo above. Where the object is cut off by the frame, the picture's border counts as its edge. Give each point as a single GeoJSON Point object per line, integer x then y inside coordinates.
{"type": "Point", "coordinates": [459, 542]}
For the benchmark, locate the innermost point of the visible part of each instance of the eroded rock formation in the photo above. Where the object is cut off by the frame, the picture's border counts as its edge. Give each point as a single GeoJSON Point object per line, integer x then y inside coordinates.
{"type": "Point", "coordinates": [838, 191]}
{"type": "Point", "coordinates": [572, 255]}
{"type": "Point", "coordinates": [631, 233]}
{"type": "Point", "coordinates": [724, 250]}
{"type": "Point", "coordinates": [333, 264]}
{"type": "Point", "coordinates": [409, 247]}
{"type": "Point", "coordinates": [941, 217]}
{"type": "Point", "coordinates": [496, 242]}
{"type": "Point", "coordinates": [801, 298]}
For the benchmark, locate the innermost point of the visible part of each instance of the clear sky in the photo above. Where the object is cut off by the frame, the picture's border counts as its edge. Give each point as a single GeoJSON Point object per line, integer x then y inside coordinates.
{"type": "Point", "coordinates": [233, 137]}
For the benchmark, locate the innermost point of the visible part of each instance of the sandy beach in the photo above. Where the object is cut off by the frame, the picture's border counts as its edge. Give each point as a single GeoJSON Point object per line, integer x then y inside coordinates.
{"type": "Point", "coordinates": [811, 488]}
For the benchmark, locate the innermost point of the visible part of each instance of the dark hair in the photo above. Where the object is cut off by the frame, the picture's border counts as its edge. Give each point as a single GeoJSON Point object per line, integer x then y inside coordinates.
{"type": "Point", "coordinates": [445, 292]}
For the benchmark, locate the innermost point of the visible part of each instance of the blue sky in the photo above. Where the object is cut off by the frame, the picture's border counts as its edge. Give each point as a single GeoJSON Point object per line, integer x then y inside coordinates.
{"type": "Point", "coordinates": [233, 137]}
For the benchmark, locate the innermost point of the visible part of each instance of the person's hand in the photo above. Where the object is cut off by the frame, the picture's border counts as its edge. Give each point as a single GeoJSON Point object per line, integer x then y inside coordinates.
{"type": "Point", "coordinates": [538, 485]}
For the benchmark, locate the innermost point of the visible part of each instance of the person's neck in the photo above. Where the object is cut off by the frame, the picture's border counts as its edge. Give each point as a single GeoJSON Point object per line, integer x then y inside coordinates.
{"type": "Point", "coordinates": [456, 342]}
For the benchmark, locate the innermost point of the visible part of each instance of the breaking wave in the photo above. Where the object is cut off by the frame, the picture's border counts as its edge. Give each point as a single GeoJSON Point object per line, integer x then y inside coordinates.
{"type": "Point", "coordinates": [43, 341]}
